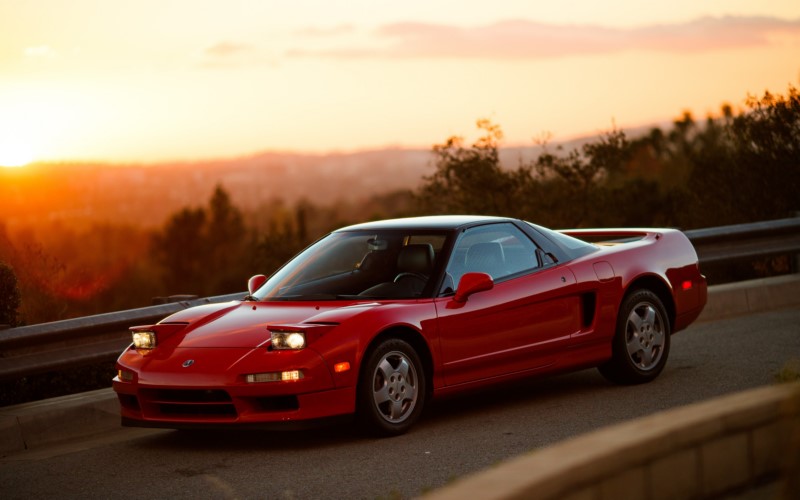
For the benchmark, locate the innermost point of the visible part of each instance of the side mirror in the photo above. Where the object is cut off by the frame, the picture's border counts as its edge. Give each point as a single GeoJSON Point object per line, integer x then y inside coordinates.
{"type": "Point", "coordinates": [472, 283]}
{"type": "Point", "coordinates": [255, 283]}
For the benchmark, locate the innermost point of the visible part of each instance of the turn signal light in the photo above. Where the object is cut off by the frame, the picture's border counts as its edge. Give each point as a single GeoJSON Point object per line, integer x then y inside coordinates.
{"type": "Point", "coordinates": [257, 378]}
{"type": "Point", "coordinates": [292, 375]}
{"type": "Point", "coordinates": [341, 367]}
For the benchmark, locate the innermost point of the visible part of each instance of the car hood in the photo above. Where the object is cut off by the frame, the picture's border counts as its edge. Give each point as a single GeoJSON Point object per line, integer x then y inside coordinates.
{"type": "Point", "coordinates": [244, 324]}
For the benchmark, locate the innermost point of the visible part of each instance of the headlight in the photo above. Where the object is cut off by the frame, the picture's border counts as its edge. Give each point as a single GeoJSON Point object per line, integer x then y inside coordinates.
{"type": "Point", "coordinates": [144, 340]}
{"type": "Point", "coordinates": [288, 340]}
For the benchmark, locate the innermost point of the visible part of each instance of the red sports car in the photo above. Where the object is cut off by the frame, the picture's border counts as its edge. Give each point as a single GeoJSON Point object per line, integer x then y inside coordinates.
{"type": "Point", "coordinates": [375, 319]}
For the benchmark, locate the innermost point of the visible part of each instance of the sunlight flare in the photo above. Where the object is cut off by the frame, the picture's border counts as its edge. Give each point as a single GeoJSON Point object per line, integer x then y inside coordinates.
{"type": "Point", "coordinates": [15, 153]}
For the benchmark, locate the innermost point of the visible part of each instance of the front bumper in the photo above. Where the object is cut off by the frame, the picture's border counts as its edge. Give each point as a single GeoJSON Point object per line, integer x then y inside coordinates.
{"type": "Point", "coordinates": [213, 391]}
{"type": "Point", "coordinates": [181, 408]}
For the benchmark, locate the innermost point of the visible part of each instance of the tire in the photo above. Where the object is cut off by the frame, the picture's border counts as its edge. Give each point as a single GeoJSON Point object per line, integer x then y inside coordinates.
{"type": "Point", "coordinates": [641, 343]}
{"type": "Point", "coordinates": [391, 389]}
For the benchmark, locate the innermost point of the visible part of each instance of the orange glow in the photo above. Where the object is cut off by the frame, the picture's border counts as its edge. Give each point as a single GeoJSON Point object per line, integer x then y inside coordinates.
{"type": "Point", "coordinates": [341, 367]}
{"type": "Point", "coordinates": [348, 78]}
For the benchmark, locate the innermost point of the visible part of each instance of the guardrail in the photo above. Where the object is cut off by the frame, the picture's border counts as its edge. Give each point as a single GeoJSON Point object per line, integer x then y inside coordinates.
{"type": "Point", "coordinates": [59, 345]}
{"type": "Point", "coordinates": [28, 350]}
{"type": "Point", "coordinates": [746, 241]}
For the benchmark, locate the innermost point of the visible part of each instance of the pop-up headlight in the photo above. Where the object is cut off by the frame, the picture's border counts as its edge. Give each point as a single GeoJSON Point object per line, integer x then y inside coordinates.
{"type": "Point", "coordinates": [288, 340]}
{"type": "Point", "coordinates": [144, 339]}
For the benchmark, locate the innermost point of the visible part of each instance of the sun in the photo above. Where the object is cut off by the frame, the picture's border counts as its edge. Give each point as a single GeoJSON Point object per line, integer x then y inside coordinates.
{"type": "Point", "coordinates": [15, 152]}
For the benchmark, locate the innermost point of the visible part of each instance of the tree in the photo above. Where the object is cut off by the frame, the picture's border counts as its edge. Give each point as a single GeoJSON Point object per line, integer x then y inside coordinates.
{"type": "Point", "coordinates": [9, 296]}
{"type": "Point", "coordinates": [181, 252]}
{"type": "Point", "coordinates": [732, 168]}
{"type": "Point", "coordinates": [575, 188]}
{"type": "Point", "coordinates": [285, 236]}
{"type": "Point", "coordinates": [765, 151]}
{"type": "Point", "coordinates": [728, 169]}
{"type": "Point", "coordinates": [471, 179]}
{"type": "Point", "coordinates": [228, 241]}
{"type": "Point", "coordinates": [204, 251]}
{"type": "Point", "coordinates": [571, 189]}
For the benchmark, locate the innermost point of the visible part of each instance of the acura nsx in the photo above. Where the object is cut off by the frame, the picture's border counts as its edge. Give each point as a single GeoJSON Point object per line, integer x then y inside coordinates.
{"type": "Point", "coordinates": [377, 318]}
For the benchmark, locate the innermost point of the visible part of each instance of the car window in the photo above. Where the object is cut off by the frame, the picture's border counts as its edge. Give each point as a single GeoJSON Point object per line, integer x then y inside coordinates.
{"type": "Point", "coordinates": [343, 257]}
{"type": "Point", "coordinates": [572, 247]}
{"type": "Point", "coordinates": [499, 250]}
{"type": "Point", "coordinates": [355, 264]}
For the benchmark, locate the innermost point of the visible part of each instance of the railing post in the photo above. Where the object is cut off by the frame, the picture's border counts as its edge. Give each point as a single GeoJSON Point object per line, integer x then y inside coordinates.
{"type": "Point", "coordinates": [795, 263]}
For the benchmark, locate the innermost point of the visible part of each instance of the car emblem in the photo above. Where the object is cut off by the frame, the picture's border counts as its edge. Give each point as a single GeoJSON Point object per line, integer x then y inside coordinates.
{"type": "Point", "coordinates": [188, 363]}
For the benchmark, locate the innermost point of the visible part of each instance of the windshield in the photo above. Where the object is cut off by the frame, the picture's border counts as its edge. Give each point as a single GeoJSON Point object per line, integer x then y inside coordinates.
{"type": "Point", "coordinates": [355, 264]}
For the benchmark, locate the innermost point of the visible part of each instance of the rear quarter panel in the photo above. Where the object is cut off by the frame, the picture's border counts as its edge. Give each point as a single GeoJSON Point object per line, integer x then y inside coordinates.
{"type": "Point", "coordinates": [646, 257]}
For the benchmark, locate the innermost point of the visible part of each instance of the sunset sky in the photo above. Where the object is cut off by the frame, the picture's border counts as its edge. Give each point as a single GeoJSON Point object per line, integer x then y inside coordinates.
{"type": "Point", "coordinates": [153, 80]}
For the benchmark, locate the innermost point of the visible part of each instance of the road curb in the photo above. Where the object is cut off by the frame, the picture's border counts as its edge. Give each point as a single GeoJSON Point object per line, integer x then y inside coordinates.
{"type": "Point", "coordinates": [41, 423]}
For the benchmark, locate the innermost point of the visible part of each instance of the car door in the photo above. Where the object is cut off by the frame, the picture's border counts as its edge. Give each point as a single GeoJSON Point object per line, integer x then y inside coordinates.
{"type": "Point", "coordinates": [522, 323]}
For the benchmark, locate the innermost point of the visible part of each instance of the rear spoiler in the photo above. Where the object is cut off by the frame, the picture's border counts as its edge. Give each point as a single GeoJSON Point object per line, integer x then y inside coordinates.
{"type": "Point", "coordinates": [613, 235]}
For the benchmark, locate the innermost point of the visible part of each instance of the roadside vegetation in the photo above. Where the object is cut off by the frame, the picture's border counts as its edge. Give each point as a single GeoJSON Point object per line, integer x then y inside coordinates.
{"type": "Point", "coordinates": [742, 165]}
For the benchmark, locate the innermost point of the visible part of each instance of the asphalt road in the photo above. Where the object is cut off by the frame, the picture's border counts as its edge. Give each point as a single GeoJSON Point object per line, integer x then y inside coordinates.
{"type": "Point", "coordinates": [456, 436]}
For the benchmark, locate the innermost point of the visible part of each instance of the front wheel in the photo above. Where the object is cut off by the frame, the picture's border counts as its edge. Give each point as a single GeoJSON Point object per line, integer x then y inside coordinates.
{"type": "Point", "coordinates": [391, 389]}
{"type": "Point", "coordinates": [641, 343]}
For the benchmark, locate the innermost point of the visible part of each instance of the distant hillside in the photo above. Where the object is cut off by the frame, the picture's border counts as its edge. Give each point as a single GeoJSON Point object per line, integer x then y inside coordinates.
{"type": "Point", "coordinates": [146, 195]}
{"type": "Point", "coordinates": [81, 194]}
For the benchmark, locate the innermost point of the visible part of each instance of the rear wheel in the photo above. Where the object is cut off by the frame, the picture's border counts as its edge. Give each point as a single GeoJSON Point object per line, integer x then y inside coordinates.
{"type": "Point", "coordinates": [391, 389]}
{"type": "Point", "coordinates": [642, 340]}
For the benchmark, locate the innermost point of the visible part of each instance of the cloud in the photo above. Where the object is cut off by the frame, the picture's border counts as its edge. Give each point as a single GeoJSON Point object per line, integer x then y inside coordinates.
{"type": "Point", "coordinates": [232, 55]}
{"type": "Point", "coordinates": [531, 40]}
{"type": "Point", "coordinates": [341, 29]}
{"type": "Point", "coordinates": [40, 52]}
{"type": "Point", "coordinates": [223, 50]}
{"type": "Point", "coordinates": [715, 33]}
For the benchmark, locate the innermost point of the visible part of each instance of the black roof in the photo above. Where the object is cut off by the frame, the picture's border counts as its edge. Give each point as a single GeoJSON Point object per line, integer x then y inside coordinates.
{"type": "Point", "coordinates": [440, 222]}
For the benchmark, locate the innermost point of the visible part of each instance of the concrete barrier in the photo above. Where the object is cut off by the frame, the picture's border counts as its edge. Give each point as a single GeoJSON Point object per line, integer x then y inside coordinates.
{"type": "Point", "coordinates": [41, 423]}
{"type": "Point", "coordinates": [722, 446]}
{"type": "Point", "coordinates": [747, 297]}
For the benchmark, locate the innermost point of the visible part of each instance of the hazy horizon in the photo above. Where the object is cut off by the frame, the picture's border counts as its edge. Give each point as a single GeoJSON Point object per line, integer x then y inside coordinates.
{"type": "Point", "coordinates": [154, 82]}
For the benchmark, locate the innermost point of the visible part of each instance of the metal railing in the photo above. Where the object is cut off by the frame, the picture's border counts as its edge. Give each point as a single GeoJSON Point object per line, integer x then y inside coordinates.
{"type": "Point", "coordinates": [28, 350]}
{"type": "Point", "coordinates": [746, 241]}
{"type": "Point", "coordinates": [59, 345]}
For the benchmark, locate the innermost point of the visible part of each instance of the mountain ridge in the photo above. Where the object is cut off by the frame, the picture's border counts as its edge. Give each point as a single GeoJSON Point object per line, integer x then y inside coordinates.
{"type": "Point", "coordinates": [84, 193]}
